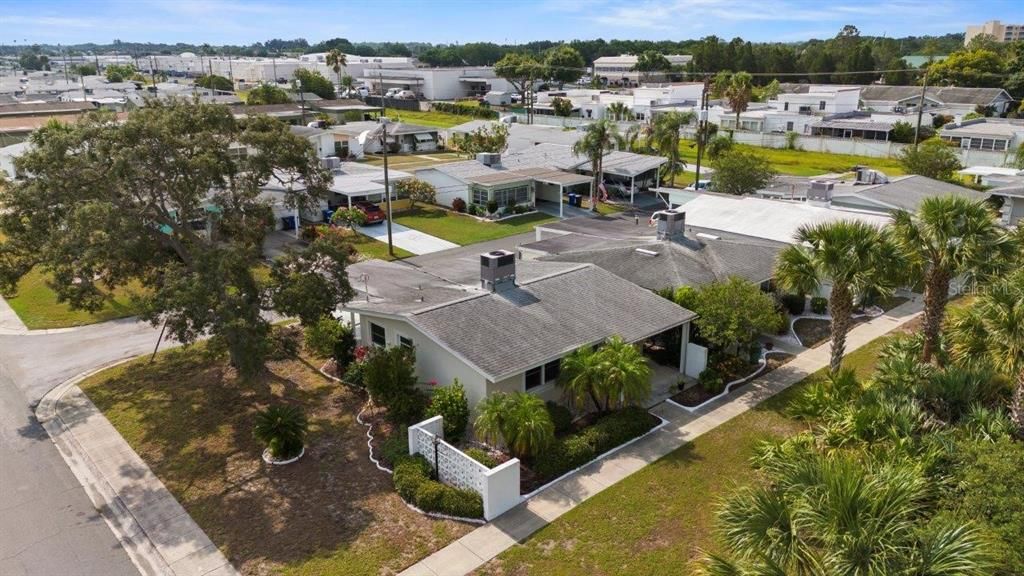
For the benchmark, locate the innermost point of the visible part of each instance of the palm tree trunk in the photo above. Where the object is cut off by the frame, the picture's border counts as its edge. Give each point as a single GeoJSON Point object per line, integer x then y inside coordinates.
{"type": "Point", "coordinates": [737, 127]}
{"type": "Point", "coordinates": [599, 180]}
{"type": "Point", "coordinates": [1017, 405]}
{"type": "Point", "coordinates": [595, 400]}
{"type": "Point", "coordinates": [936, 295]}
{"type": "Point", "coordinates": [593, 185]}
{"type": "Point", "coordinates": [840, 305]}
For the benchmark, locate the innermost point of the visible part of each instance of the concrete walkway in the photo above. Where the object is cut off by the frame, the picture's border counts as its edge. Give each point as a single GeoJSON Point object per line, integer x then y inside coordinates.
{"type": "Point", "coordinates": [476, 548]}
{"type": "Point", "coordinates": [406, 238]}
{"type": "Point", "coordinates": [10, 323]}
{"type": "Point", "coordinates": [154, 529]}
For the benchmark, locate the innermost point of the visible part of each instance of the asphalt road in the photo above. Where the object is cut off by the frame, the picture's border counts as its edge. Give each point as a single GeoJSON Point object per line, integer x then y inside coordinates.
{"type": "Point", "coordinates": [48, 526]}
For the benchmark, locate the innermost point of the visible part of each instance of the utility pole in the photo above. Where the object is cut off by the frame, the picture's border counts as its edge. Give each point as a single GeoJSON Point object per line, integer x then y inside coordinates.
{"type": "Point", "coordinates": [387, 186]}
{"type": "Point", "coordinates": [65, 57]}
{"type": "Point", "coordinates": [920, 107]}
{"type": "Point", "coordinates": [152, 74]}
{"type": "Point", "coordinates": [702, 118]}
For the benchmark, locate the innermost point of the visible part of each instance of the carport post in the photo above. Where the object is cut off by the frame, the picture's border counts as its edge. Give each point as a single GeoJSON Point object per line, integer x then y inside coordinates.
{"type": "Point", "coordinates": [297, 222]}
{"type": "Point", "coordinates": [632, 188]}
{"type": "Point", "coordinates": [561, 198]}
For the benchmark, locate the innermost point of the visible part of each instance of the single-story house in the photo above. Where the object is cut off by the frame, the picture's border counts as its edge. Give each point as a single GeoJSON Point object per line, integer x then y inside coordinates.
{"type": "Point", "coordinates": [510, 332]}
{"type": "Point", "coordinates": [342, 109]}
{"type": "Point", "coordinates": [899, 193]}
{"type": "Point", "coordinates": [354, 182]}
{"type": "Point", "coordinates": [860, 128]}
{"type": "Point", "coordinates": [292, 113]}
{"type": "Point", "coordinates": [357, 138]}
{"type": "Point", "coordinates": [997, 134]}
{"type": "Point", "coordinates": [322, 140]}
{"type": "Point", "coordinates": [680, 256]}
{"type": "Point", "coordinates": [958, 101]}
{"type": "Point", "coordinates": [1011, 192]}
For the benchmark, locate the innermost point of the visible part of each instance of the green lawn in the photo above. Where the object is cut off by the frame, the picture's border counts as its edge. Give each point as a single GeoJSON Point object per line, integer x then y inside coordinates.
{"type": "Point", "coordinates": [464, 230]}
{"type": "Point", "coordinates": [36, 304]}
{"type": "Point", "coordinates": [432, 118]}
{"type": "Point", "coordinates": [658, 520]}
{"type": "Point", "coordinates": [371, 248]}
{"type": "Point", "coordinates": [804, 162]}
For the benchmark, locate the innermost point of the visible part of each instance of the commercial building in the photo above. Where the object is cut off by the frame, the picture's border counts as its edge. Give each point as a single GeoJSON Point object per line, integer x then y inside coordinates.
{"type": "Point", "coordinates": [620, 70]}
{"type": "Point", "coordinates": [996, 29]}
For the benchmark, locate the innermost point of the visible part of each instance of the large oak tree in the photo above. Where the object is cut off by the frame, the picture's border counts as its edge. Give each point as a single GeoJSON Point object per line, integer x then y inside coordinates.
{"type": "Point", "coordinates": [164, 199]}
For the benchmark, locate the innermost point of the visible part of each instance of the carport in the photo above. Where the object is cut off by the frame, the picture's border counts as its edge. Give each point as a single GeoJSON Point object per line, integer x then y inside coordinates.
{"type": "Point", "coordinates": [552, 185]}
{"type": "Point", "coordinates": [354, 182]}
{"type": "Point", "coordinates": [630, 167]}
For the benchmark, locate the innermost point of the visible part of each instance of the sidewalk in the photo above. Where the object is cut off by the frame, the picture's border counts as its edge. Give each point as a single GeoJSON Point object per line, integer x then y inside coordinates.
{"type": "Point", "coordinates": [154, 529]}
{"type": "Point", "coordinates": [9, 321]}
{"type": "Point", "coordinates": [476, 548]}
{"type": "Point", "coordinates": [406, 238]}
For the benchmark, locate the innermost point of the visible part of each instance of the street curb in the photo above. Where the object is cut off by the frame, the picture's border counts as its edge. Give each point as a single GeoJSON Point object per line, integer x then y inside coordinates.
{"type": "Point", "coordinates": [137, 544]}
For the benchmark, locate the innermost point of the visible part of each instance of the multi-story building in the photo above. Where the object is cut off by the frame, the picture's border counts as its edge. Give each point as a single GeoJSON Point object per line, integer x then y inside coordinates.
{"type": "Point", "coordinates": [996, 29]}
{"type": "Point", "coordinates": [619, 70]}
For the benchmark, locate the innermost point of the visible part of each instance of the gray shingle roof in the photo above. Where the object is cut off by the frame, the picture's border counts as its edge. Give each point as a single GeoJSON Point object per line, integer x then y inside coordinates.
{"type": "Point", "coordinates": [949, 95]}
{"type": "Point", "coordinates": [554, 309]}
{"type": "Point", "coordinates": [907, 193]}
{"type": "Point", "coordinates": [693, 261]}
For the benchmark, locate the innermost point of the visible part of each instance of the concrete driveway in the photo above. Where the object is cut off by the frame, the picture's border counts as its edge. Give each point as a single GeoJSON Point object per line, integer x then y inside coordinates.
{"type": "Point", "coordinates": [406, 238]}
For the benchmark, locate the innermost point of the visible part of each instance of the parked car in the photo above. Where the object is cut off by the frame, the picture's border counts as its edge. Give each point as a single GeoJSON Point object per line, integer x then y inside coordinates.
{"type": "Point", "coordinates": [373, 213]}
{"type": "Point", "coordinates": [392, 92]}
{"type": "Point", "coordinates": [405, 95]}
{"type": "Point", "coordinates": [702, 185]}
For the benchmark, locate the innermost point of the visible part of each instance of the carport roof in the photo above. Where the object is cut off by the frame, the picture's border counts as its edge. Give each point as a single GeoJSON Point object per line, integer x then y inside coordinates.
{"type": "Point", "coordinates": [549, 176]}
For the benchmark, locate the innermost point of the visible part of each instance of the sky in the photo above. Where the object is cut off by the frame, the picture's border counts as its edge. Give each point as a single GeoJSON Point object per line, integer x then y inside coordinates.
{"type": "Point", "coordinates": [460, 21]}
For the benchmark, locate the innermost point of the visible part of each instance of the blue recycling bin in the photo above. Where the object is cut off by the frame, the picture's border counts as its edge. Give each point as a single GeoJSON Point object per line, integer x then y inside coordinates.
{"type": "Point", "coordinates": [327, 215]}
{"type": "Point", "coordinates": [288, 222]}
{"type": "Point", "coordinates": [572, 199]}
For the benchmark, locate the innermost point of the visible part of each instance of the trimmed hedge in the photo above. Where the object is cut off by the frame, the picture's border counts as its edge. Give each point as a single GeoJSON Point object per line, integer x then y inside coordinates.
{"type": "Point", "coordinates": [819, 305]}
{"type": "Point", "coordinates": [481, 456]}
{"type": "Point", "coordinates": [577, 449]}
{"type": "Point", "coordinates": [465, 110]}
{"type": "Point", "coordinates": [561, 417]}
{"type": "Point", "coordinates": [413, 483]}
{"type": "Point", "coordinates": [794, 303]}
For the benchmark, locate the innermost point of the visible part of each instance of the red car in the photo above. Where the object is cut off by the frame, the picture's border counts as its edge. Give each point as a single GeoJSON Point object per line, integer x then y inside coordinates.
{"type": "Point", "coordinates": [373, 213]}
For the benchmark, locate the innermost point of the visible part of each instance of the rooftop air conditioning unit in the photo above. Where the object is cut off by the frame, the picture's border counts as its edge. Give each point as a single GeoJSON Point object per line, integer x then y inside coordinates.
{"type": "Point", "coordinates": [820, 191]}
{"type": "Point", "coordinates": [497, 270]}
{"type": "Point", "coordinates": [670, 223]}
{"type": "Point", "coordinates": [492, 159]}
{"type": "Point", "coordinates": [867, 176]}
{"type": "Point", "coordinates": [331, 163]}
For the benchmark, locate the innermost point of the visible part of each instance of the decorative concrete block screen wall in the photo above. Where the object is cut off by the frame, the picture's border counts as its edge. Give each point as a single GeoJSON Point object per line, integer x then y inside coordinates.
{"type": "Point", "coordinates": [499, 486]}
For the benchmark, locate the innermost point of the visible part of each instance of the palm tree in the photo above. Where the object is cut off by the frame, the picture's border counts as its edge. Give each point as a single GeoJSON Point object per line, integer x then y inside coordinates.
{"type": "Point", "coordinates": [991, 331]}
{"type": "Point", "coordinates": [520, 420]}
{"type": "Point", "coordinates": [665, 138]}
{"type": "Point", "coordinates": [837, 515]}
{"type": "Point", "coordinates": [337, 61]}
{"type": "Point", "coordinates": [627, 376]}
{"type": "Point", "coordinates": [855, 257]}
{"type": "Point", "coordinates": [949, 237]}
{"type": "Point", "coordinates": [737, 89]}
{"type": "Point", "coordinates": [347, 82]}
{"type": "Point", "coordinates": [618, 111]}
{"type": "Point", "coordinates": [282, 429]}
{"type": "Point", "coordinates": [581, 377]}
{"type": "Point", "coordinates": [636, 134]}
{"type": "Point", "coordinates": [599, 138]}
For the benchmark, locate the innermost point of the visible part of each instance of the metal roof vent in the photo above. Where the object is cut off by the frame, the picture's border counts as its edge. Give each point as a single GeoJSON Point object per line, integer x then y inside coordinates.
{"type": "Point", "coordinates": [646, 252]}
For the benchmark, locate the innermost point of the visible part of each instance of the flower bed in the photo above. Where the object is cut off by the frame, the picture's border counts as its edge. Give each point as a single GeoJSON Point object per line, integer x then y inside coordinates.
{"type": "Point", "coordinates": [579, 447]}
{"type": "Point", "coordinates": [696, 395]}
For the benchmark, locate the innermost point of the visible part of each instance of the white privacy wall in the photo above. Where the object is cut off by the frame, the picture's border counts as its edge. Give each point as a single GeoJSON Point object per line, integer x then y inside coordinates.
{"type": "Point", "coordinates": [499, 486]}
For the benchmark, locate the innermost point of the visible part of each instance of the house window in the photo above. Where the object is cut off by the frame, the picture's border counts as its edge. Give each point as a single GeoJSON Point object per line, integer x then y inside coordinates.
{"type": "Point", "coordinates": [552, 370]}
{"type": "Point", "coordinates": [377, 335]}
{"type": "Point", "coordinates": [789, 126]}
{"type": "Point", "coordinates": [533, 377]}
{"type": "Point", "coordinates": [821, 105]}
{"type": "Point", "coordinates": [480, 196]}
{"type": "Point", "coordinates": [519, 194]}
{"type": "Point", "coordinates": [405, 342]}
{"type": "Point", "coordinates": [785, 106]}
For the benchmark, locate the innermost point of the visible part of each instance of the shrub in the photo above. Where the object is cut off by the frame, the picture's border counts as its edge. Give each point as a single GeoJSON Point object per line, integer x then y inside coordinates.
{"type": "Point", "coordinates": [794, 303]}
{"type": "Point", "coordinates": [413, 483]}
{"type": "Point", "coordinates": [481, 456]}
{"type": "Point", "coordinates": [459, 205]}
{"type": "Point", "coordinates": [472, 210]}
{"type": "Point", "coordinates": [519, 419]}
{"type": "Point", "coordinates": [819, 305]}
{"type": "Point", "coordinates": [390, 377]}
{"type": "Point", "coordinates": [283, 343]}
{"type": "Point", "coordinates": [711, 381]}
{"type": "Point", "coordinates": [329, 338]}
{"type": "Point", "coordinates": [417, 191]}
{"type": "Point", "coordinates": [492, 206]}
{"type": "Point", "coordinates": [465, 110]}
{"type": "Point", "coordinates": [729, 367]}
{"type": "Point", "coordinates": [309, 233]}
{"type": "Point", "coordinates": [450, 403]}
{"type": "Point", "coordinates": [561, 417]}
{"type": "Point", "coordinates": [396, 446]}
{"type": "Point", "coordinates": [577, 449]}
{"type": "Point", "coordinates": [282, 429]}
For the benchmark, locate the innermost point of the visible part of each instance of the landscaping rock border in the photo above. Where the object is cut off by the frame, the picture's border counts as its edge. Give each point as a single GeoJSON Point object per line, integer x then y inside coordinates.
{"type": "Point", "coordinates": [270, 459]}
{"type": "Point", "coordinates": [762, 364]}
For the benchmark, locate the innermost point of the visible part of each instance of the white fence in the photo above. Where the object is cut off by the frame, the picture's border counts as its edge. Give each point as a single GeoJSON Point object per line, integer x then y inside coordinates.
{"type": "Point", "coordinates": [872, 148]}
{"type": "Point", "coordinates": [696, 359]}
{"type": "Point", "coordinates": [499, 486]}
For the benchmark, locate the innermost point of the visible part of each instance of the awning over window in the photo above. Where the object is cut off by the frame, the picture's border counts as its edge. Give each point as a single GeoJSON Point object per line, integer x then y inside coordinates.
{"type": "Point", "coordinates": [421, 137]}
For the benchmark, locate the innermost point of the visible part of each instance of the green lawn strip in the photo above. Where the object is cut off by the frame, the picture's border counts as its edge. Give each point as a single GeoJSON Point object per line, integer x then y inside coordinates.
{"type": "Point", "coordinates": [658, 520]}
{"type": "Point", "coordinates": [464, 230]}
{"type": "Point", "coordinates": [37, 306]}
{"type": "Point", "coordinates": [372, 248]}
{"type": "Point", "coordinates": [432, 119]}
{"type": "Point", "coordinates": [805, 162]}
